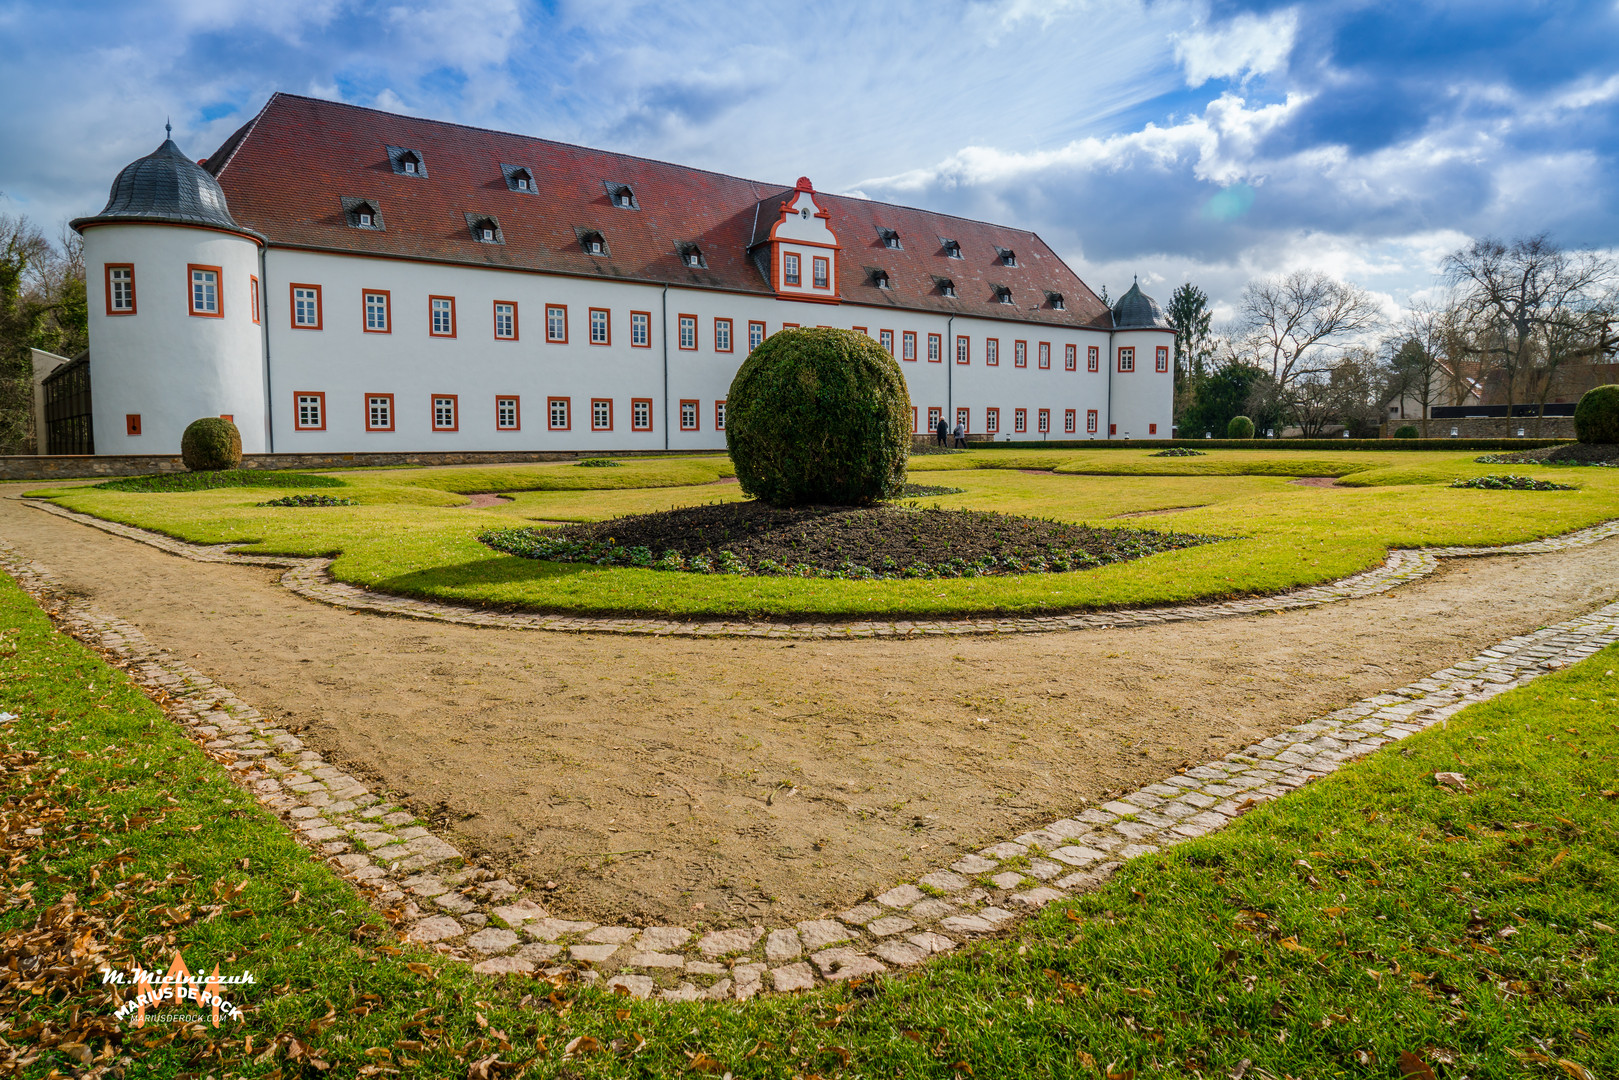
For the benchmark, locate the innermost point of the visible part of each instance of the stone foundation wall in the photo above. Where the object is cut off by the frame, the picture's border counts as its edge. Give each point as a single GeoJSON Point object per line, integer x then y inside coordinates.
{"type": "Point", "coordinates": [1491, 427]}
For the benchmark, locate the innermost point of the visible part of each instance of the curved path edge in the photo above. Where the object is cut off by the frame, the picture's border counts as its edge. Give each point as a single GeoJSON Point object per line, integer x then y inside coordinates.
{"type": "Point", "coordinates": [311, 578]}
{"type": "Point", "coordinates": [424, 886]}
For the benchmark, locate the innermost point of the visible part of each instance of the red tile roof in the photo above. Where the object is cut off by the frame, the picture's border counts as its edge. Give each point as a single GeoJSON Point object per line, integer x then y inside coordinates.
{"type": "Point", "coordinates": [287, 172]}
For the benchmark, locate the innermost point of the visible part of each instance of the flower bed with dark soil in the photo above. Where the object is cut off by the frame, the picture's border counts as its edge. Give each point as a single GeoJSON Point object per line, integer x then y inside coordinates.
{"type": "Point", "coordinates": [1510, 482]}
{"type": "Point", "coordinates": [838, 542]}
{"type": "Point", "coordinates": [1566, 454]}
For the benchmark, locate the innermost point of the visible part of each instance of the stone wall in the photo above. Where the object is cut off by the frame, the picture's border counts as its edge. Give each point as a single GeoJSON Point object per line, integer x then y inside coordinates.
{"type": "Point", "coordinates": [1491, 427]}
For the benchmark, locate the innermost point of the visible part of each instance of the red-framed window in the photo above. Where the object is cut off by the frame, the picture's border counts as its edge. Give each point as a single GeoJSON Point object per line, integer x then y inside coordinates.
{"type": "Point", "coordinates": [207, 294]}
{"type": "Point", "coordinates": [907, 345]}
{"type": "Point", "coordinates": [1042, 421]}
{"type": "Point", "coordinates": [689, 416]}
{"type": "Point", "coordinates": [1152, 429]}
{"type": "Point", "coordinates": [556, 323]}
{"type": "Point", "coordinates": [1090, 421]}
{"type": "Point", "coordinates": [935, 414]}
{"type": "Point", "coordinates": [1127, 358]}
{"type": "Point", "coordinates": [441, 316]}
{"type": "Point", "coordinates": [1045, 355]}
{"type": "Point", "coordinates": [885, 338]}
{"type": "Point", "coordinates": [1070, 357]}
{"type": "Point", "coordinates": [508, 413]}
{"type": "Point", "coordinates": [132, 423]}
{"type": "Point", "coordinates": [688, 332]}
{"type": "Point", "coordinates": [860, 330]}
{"type": "Point", "coordinates": [914, 428]}
{"type": "Point", "coordinates": [377, 307]}
{"type": "Point", "coordinates": [559, 413]}
{"type": "Point", "coordinates": [1020, 354]}
{"type": "Point", "coordinates": [1069, 420]}
{"type": "Point", "coordinates": [719, 416]}
{"type": "Point", "coordinates": [964, 417]}
{"type": "Point", "coordinates": [601, 326]}
{"type": "Point", "coordinates": [306, 313]}
{"type": "Point", "coordinates": [821, 272]}
{"type": "Point", "coordinates": [446, 412]}
{"type": "Point", "coordinates": [756, 334]}
{"type": "Point", "coordinates": [1113, 429]}
{"type": "Point", "coordinates": [120, 288]}
{"type": "Point", "coordinates": [506, 328]}
{"type": "Point", "coordinates": [1161, 359]}
{"type": "Point", "coordinates": [789, 269]}
{"type": "Point", "coordinates": [722, 336]}
{"type": "Point", "coordinates": [992, 421]}
{"type": "Point", "coordinates": [640, 329]}
{"type": "Point", "coordinates": [253, 296]}
{"type": "Point", "coordinates": [601, 414]}
{"type": "Point", "coordinates": [1093, 358]}
{"type": "Point", "coordinates": [789, 326]}
{"type": "Point", "coordinates": [640, 414]}
{"type": "Point", "coordinates": [992, 352]}
{"type": "Point", "coordinates": [309, 410]}
{"type": "Point", "coordinates": [1020, 420]}
{"type": "Point", "coordinates": [379, 412]}
{"type": "Point", "coordinates": [935, 348]}
{"type": "Point", "coordinates": [964, 349]}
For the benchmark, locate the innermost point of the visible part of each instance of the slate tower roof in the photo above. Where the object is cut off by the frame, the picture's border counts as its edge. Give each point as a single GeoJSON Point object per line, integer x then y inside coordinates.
{"type": "Point", "coordinates": [1136, 310]}
{"type": "Point", "coordinates": [166, 187]}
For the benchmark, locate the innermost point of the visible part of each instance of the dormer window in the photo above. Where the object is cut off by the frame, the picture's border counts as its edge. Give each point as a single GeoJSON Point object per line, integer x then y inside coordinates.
{"type": "Point", "coordinates": [592, 241]}
{"type": "Point", "coordinates": [1003, 295]}
{"type": "Point", "coordinates": [410, 161]}
{"type": "Point", "coordinates": [952, 248]}
{"type": "Point", "coordinates": [361, 213]}
{"type": "Point", "coordinates": [487, 233]}
{"type": "Point", "coordinates": [947, 287]}
{"type": "Point", "coordinates": [364, 217]}
{"type": "Point", "coordinates": [621, 196]}
{"type": "Point", "coordinates": [691, 255]}
{"type": "Point", "coordinates": [407, 162]}
{"type": "Point", "coordinates": [890, 239]}
{"type": "Point", "coordinates": [1008, 256]}
{"type": "Point", "coordinates": [879, 278]}
{"type": "Point", "coordinates": [485, 229]}
{"type": "Point", "coordinates": [1056, 301]}
{"type": "Point", "coordinates": [519, 178]}
{"type": "Point", "coordinates": [523, 183]}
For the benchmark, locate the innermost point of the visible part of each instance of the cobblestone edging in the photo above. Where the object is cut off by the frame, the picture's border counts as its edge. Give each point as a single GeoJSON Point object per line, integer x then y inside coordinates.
{"type": "Point", "coordinates": [425, 885]}
{"type": "Point", "coordinates": [311, 578]}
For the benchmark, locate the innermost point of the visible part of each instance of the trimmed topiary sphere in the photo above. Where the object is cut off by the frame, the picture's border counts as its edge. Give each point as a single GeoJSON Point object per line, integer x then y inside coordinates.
{"type": "Point", "coordinates": [1406, 432]}
{"type": "Point", "coordinates": [1240, 427]}
{"type": "Point", "coordinates": [211, 444]}
{"type": "Point", "coordinates": [819, 416]}
{"type": "Point", "coordinates": [1596, 417]}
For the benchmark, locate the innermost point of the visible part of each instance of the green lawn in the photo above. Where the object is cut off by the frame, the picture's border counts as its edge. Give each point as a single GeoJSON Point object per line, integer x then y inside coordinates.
{"type": "Point", "coordinates": [1372, 915]}
{"type": "Point", "coordinates": [412, 534]}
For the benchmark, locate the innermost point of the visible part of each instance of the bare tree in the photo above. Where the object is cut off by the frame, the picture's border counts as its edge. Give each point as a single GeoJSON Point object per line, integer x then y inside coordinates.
{"type": "Point", "coordinates": [1418, 354]}
{"type": "Point", "coordinates": [1286, 320]}
{"type": "Point", "coordinates": [42, 306]}
{"type": "Point", "coordinates": [1530, 307]}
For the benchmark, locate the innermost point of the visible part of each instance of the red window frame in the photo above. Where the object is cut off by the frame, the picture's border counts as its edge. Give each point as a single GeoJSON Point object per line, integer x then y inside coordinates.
{"type": "Point", "coordinates": [992, 352]}
{"type": "Point", "coordinates": [366, 399]}
{"type": "Point", "coordinates": [789, 326]}
{"type": "Point", "coordinates": [681, 322]}
{"type": "Point", "coordinates": [1070, 357]}
{"type": "Point", "coordinates": [1127, 359]}
{"type": "Point", "coordinates": [1070, 422]}
{"type": "Point", "coordinates": [795, 276]}
{"type": "Point", "coordinates": [1090, 421]}
{"type": "Point", "coordinates": [517, 412]}
{"type": "Point", "coordinates": [252, 294]}
{"type": "Point", "coordinates": [554, 340]}
{"type": "Point", "coordinates": [106, 272]}
{"type": "Point", "coordinates": [935, 414]}
{"type": "Point", "coordinates": [907, 338]}
{"type": "Point", "coordinates": [730, 335]}
{"type": "Point", "coordinates": [964, 349]}
{"type": "Point", "coordinates": [434, 333]}
{"type": "Point", "coordinates": [885, 338]}
{"type": "Point", "coordinates": [719, 415]}
{"type": "Point", "coordinates": [387, 311]}
{"type": "Point", "coordinates": [914, 428]}
{"type": "Point", "coordinates": [455, 410]}
{"type": "Point", "coordinates": [696, 414]}
{"type": "Point", "coordinates": [935, 348]}
{"type": "Point", "coordinates": [634, 401]}
{"type": "Point", "coordinates": [964, 417]}
{"type": "Point", "coordinates": [1161, 359]}
{"type": "Point", "coordinates": [494, 312]}
{"type": "Point", "coordinates": [820, 272]}
{"type": "Point", "coordinates": [1042, 422]}
{"type": "Point", "coordinates": [297, 416]}
{"type": "Point", "coordinates": [132, 423]}
{"type": "Point", "coordinates": [219, 292]}
{"type": "Point", "coordinates": [550, 413]}
{"type": "Point", "coordinates": [1020, 421]}
{"type": "Point", "coordinates": [646, 321]}
{"type": "Point", "coordinates": [292, 310]}
{"type": "Point", "coordinates": [1093, 358]}
{"type": "Point", "coordinates": [860, 330]}
{"type": "Point", "coordinates": [607, 324]}
{"type": "Point", "coordinates": [1020, 354]}
{"type": "Point", "coordinates": [1152, 429]}
{"type": "Point", "coordinates": [1113, 429]}
{"type": "Point", "coordinates": [992, 421]}
{"type": "Point", "coordinates": [1043, 351]}
{"type": "Point", "coordinates": [601, 401]}
{"type": "Point", "coordinates": [762, 335]}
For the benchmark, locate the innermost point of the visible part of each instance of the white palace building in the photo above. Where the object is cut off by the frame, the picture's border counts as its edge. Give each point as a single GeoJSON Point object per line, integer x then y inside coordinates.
{"type": "Point", "coordinates": [338, 279]}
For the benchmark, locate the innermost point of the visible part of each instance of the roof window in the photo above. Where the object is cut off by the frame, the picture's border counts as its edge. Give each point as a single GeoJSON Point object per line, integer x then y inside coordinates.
{"type": "Point", "coordinates": [1056, 301]}
{"type": "Point", "coordinates": [621, 195]}
{"type": "Point", "coordinates": [879, 278]}
{"type": "Point", "coordinates": [1003, 294]}
{"type": "Point", "coordinates": [519, 178]}
{"type": "Point", "coordinates": [592, 241]}
{"type": "Point", "coordinates": [361, 213]}
{"type": "Point", "coordinates": [485, 229]}
{"type": "Point", "coordinates": [890, 239]}
{"type": "Point", "coordinates": [946, 286]}
{"type": "Point", "coordinates": [952, 248]}
{"type": "Point", "coordinates": [1008, 256]}
{"type": "Point", "coordinates": [407, 162]}
{"type": "Point", "coordinates": [691, 255]}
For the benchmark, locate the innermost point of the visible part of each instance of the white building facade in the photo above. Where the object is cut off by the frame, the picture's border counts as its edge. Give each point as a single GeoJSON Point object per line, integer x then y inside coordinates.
{"type": "Point", "coordinates": [458, 290]}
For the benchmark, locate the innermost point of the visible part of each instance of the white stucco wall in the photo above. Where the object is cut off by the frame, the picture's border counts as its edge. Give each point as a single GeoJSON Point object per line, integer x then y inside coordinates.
{"type": "Point", "coordinates": [1145, 396]}
{"type": "Point", "coordinates": [163, 363]}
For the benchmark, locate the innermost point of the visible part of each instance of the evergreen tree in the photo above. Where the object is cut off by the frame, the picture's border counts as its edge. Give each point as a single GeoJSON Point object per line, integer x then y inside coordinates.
{"type": "Point", "coordinates": [1189, 314]}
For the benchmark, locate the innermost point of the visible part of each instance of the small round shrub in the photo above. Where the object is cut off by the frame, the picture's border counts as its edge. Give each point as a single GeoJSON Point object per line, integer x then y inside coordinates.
{"type": "Point", "coordinates": [597, 463]}
{"type": "Point", "coordinates": [1596, 417]}
{"type": "Point", "coordinates": [818, 416]}
{"type": "Point", "coordinates": [1240, 427]}
{"type": "Point", "coordinates": [211, 444]}
{"type": "Point", "coordinates": [1405, 431]}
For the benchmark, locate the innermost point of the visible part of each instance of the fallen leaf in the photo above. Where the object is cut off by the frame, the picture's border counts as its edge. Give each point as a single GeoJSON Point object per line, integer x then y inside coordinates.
{"type": "Point", "coordinates": [1334, 912]}
{"type": "Point", "coordinates": [1086, 1060]}
{"type": "Point", "coordinates": [579, 1047]}
{"type": "Point", "coordinates": [1241, 1070]}
{"type": "Point", "coordinates": [1577, 1071]}
{"type": "Point", "coordinates": [1454, 780]}
{"type": "Point", "coordinates": [1412, 1065]}
{"type": "Point", "coordinates": [701, 1062]}
{"type": "Point", "coordinates": [1604, 927]}
{"type": "Point", "coordinates": [1559, 857]}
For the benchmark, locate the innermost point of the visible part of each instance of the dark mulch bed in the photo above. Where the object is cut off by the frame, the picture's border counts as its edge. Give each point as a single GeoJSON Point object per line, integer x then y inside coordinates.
{"type": "Point", "coordinates": [838, 542]}
{"type": "Point", "coordinates": [1510, 482]}
{"type": "Point", "coordinates": [1565, 454]}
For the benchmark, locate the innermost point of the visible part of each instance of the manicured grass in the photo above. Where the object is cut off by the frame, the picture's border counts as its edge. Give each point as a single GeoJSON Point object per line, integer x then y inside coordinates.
{"type": "Point", "coordinates": [217, 478]}
{"type": "Point", "coordinates": [1372, 915]}
{"type": "Point", "coordinates": [411, 537]}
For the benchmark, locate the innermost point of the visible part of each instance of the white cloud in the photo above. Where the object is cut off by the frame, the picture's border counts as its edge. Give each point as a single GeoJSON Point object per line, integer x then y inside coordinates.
{"type": "Point", "coordinates": [1247, 45]}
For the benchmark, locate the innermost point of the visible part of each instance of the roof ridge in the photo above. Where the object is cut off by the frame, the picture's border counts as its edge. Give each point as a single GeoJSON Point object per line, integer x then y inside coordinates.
{"type": "Point", "coordinates": [236, 139]}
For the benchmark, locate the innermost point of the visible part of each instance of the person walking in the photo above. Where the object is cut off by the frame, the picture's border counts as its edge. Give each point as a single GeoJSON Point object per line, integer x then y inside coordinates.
{"type": "Point", "coordinates": [961, 434]}
{"type": "Point", "coordinates": [942, 432]}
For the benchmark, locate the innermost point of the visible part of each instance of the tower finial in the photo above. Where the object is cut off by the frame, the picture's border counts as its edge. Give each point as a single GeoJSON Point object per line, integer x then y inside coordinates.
{"type": "Point", "coordinates": [168, 129]}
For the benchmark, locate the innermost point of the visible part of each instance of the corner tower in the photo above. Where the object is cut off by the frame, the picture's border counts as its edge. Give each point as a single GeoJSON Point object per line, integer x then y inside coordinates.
{"type": "Point", "coordinates": [1141, 386]}
{"type": "Point", "coordinates": [176, 309]}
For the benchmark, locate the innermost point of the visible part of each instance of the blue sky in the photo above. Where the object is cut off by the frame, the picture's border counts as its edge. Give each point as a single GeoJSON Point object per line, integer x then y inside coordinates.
{"type": "Point", "coordinates": [1182, 139]}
